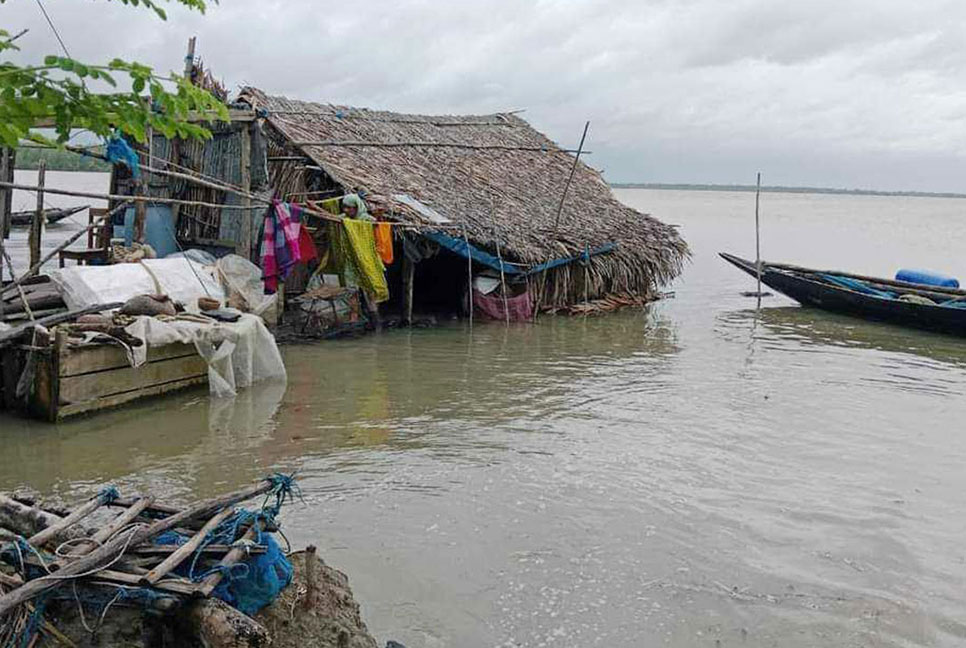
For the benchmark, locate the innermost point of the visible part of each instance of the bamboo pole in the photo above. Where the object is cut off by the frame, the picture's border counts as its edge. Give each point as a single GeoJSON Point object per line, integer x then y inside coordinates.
{"type": "Point", "coordinates": [4, 211]}
{"type": "Point", "coordinates": [81, 512]}
{"type": "Point", "coordinates": [573, 169]}
{"type": "Point", "coordinates": [209, 584]}
{"type": "Point", "coordinates": [457, 145]}
{"type": "Point", "coordinates": [469, 274]}
{"type": "Point", "coordinates": [246, 179]}
{"type": "Point", "coordinates": [499, 256]}
{"type": "Point", "coordinates": [37, 224]}
{"type": "Point", "coordinates": [408, 274]}
{"type": "Point", "coordinates": [189, 59]}
{"type": "Point", "coordinates": [23, 295]}
{"type": "Point", "coordinates": [185, 550]}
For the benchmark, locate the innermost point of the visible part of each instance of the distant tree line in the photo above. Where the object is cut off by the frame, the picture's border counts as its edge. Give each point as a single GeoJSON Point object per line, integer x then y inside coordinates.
{"type": "Point", "coordinates": [29, 158]}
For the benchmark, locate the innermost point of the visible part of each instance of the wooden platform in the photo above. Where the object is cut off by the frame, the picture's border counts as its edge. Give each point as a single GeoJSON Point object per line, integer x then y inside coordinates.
{"type": "Point", "coordinates": [71, 380]}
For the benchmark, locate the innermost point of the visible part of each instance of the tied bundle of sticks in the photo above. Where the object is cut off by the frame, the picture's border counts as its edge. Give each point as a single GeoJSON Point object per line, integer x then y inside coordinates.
{"type": "Point", "coordinates": [56, 558]}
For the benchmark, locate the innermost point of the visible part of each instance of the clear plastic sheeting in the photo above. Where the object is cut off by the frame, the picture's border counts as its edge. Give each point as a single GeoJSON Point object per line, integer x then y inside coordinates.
{"type": "Point", "coordinates": [246, 290]}
{"type": "Point", "coordinates": [180, 279]}
{"type": "Point", "coordinates": [238, 353]}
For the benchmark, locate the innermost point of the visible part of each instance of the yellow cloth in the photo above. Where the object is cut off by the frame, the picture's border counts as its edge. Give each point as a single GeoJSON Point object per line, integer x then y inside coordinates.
{"type": "Point", "coordinates": [332, 205]}
{"type": "Point", "coordinates": [358, 250]}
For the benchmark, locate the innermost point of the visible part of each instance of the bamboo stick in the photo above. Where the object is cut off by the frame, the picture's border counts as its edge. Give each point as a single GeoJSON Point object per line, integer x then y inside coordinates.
{"type": "Point", "coordinates": [758, 236]}
{"type": "Point", "coordinates": [23, 296]}
{"type": "Point", "coordinates": [573, 169]}
{"type": "Point", "coordinates": [499, 256]}
{"type": "Point", "coordinates": [457, 145]}
{"type": "Point", "coordinates": [469, 274]}
{"type": "Point", "coordinates": [209, 584]}
{"type": "Point", "coordinates": [81, 512]}
{"type": "Point", "coordinates": [97, 559]}
{"type": "Point", "coordinates": [123, 519]}
{"type": "Point", "coordinates": [186, 549]}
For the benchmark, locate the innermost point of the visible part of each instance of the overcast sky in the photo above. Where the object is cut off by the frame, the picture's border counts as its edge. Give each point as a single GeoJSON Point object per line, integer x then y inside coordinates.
{"type": "Point", "coordinates": [842, 93]}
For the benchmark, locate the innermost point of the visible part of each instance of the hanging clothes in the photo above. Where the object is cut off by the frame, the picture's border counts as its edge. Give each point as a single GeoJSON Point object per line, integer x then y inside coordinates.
{"type": "Point", "coordinates": [354, 247]}
{"type": "Point", "coordinates": [383, 235]}
{"type": "Point", "coordinates": [307, 249]}
{"type": "Point", "coordinates": [332, 205]}
{"type": "Point", "coordinates": [280, 243]}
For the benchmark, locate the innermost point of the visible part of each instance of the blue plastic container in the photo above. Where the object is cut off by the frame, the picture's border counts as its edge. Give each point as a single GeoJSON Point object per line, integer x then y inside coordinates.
{"type": "Point", "coordinates": [927, 278]}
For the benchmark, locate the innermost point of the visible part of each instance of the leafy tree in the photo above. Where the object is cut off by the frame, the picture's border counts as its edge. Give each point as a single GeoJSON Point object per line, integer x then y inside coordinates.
{"type": "Point", "coordinates": [58, 90]}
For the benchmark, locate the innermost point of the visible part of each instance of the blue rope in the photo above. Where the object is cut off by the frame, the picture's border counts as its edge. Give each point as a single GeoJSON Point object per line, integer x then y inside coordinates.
{"type": "Point", "coordinates": [110, 494]}
{"type": "Point", "coordinates": [228, 572]}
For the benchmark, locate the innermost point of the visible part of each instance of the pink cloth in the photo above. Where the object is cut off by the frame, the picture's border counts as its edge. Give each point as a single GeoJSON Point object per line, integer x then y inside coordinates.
{"type": "Point", "coordinates": [491, 306]}
{"type": "Point", "coordinates": [280, 243]}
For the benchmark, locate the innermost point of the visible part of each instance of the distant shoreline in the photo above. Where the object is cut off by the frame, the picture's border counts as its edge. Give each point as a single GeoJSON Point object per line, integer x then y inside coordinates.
{"type": "Point", "coordinates": [779, 189]}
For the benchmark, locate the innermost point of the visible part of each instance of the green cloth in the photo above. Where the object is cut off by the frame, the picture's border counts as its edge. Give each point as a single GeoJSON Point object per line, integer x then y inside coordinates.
{"type": "Point", "coordinates": [354, 246]}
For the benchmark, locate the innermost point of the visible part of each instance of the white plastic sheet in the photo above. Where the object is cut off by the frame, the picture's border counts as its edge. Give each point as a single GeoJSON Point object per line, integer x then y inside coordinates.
{"type": "Point", "coordinates": [238, 353]}
{"type": "Point", "coordinates": [180, 279]}
{"type": "Point", "coordinates": [246, 290]}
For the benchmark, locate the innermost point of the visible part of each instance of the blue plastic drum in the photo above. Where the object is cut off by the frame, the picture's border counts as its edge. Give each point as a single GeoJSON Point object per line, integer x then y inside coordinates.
{"type": "Point", "coordinates": [927, 278]}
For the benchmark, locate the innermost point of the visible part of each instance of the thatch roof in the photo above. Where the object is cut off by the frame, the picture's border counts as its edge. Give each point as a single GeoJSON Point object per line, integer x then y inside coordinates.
{"type": "Point", "coordinates": [494, 174]}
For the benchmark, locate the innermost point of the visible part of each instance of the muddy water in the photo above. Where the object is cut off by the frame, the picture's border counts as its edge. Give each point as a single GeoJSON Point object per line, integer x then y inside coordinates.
{"type": "Point", "coordinates": [696, 474]}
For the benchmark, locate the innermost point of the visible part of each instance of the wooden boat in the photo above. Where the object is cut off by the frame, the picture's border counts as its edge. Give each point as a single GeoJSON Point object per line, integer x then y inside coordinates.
{"type": "Point", "coordinates": [24, 218]}
{"type": "Point", "coordinates": [872, 298]}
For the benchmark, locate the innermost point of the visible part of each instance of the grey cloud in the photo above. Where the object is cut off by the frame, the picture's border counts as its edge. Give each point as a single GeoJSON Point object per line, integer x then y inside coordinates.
{"type": "Point", "coordinates": [683, 90]}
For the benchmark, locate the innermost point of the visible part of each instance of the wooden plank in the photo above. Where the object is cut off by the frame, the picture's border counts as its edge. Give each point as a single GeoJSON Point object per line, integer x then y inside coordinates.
{"type": "Point", "coordinates": [107, 402]}
{"type": "Point", "coordinates": [90, 359]}
{"type": "Point", "coordinates": [186, 549]}
{"type": "Point", "coordinates": [75, 389]}
{"type": "Point", "coordinates": [38, 539]}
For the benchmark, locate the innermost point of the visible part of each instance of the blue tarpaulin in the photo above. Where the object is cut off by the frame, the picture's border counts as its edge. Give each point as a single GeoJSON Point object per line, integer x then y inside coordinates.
{"type": "Point", "coordinates": [459, 246]}
{"type": "Point", "coordinates": [585, 256]}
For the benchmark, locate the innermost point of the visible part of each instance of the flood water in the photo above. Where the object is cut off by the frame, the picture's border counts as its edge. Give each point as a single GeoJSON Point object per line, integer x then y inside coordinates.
{"type": "Point", "coordinates": [694, 474]}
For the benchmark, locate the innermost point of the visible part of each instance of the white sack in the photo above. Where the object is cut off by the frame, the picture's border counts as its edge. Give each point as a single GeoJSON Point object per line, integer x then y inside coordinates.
{"type": "Point", "coordinates": [182, 280]}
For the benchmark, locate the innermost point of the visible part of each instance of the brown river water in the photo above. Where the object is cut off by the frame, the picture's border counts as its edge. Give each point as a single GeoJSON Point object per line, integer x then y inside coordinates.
{"type": "Point", "coordinates": [694, 474]}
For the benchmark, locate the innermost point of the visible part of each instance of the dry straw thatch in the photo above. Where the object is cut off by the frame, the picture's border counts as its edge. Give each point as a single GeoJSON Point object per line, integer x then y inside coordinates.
{"type": "Point", "coordinates": [493, 174]}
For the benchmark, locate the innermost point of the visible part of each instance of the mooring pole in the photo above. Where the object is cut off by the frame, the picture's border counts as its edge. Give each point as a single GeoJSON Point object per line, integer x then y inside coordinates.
{"type": "Point", "coordinates": [758, 235]}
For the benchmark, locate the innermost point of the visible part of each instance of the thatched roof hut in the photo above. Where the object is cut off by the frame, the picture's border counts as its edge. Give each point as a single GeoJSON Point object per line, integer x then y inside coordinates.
{"type": "Point", "coordinates": [492, 174]}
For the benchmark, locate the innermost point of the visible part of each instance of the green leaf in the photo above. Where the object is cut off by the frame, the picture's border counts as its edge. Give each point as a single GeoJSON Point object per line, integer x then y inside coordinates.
{"type": "Point", "coordinates": [138, 85]}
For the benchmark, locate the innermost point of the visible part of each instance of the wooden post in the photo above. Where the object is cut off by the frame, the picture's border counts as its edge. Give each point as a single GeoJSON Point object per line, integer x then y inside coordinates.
{"type": "Point", "coordinates": [246, 182]}
{"type": "Point", "coordinates": [37, 224]}
{"type": "Point", "coordinates": [757, 236]}
{"type": "Point", "coordinates": [189, 59]}
{"type": "Point", "coordinates": [7, 165]}
{"type": "Point", "coordinates": [469, 274]}
{"type": "Point", "coordinates": [4, 209]}
{"type": "Point", "coordinates": [408, 272]}
{"type": "Point", "coordinates": [140, 213]}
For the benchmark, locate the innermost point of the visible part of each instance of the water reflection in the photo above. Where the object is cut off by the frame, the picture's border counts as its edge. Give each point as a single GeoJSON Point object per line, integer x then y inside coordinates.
{"type": "Point", "coordinates": [811, 327]}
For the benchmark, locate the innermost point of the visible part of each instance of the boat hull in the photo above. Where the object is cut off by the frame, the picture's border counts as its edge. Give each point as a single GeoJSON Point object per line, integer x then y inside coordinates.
{"type": "Point", "coordinates": [817, 294]}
